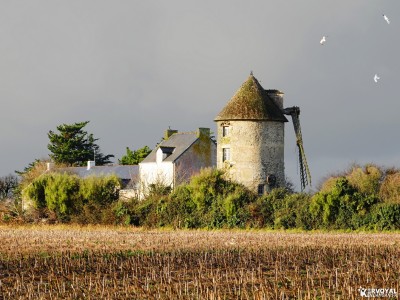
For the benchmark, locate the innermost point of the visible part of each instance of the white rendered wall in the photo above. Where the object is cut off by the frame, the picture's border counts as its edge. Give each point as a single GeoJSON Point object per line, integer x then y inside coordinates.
{"type": "Point", "coordinates": [155, 173]}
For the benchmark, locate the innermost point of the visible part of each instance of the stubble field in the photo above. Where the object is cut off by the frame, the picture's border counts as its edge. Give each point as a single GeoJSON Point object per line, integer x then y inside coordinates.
{"type": "Point", "coordinates": [71, 262]}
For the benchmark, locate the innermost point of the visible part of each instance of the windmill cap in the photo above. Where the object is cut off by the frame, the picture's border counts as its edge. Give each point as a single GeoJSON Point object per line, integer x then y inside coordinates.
{"type": "Point", "coordinates": [274, 92]}
{"type": "Point", "coordinates": [252, 102]}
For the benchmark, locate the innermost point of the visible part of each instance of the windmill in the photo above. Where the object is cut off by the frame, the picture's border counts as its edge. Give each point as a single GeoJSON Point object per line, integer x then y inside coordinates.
{"type": "Point", "coordinates": [305, 175]}
{"type": "Point", "coordinates": [251, 139]}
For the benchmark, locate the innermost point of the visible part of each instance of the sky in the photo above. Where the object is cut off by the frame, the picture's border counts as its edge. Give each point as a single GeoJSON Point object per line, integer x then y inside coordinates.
{"type": "Point", "coordinates": [134, 68]}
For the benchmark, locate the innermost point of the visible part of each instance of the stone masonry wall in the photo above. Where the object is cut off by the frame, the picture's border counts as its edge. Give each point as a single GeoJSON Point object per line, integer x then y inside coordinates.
{"type": "Point", "coordinates": [256, 149]}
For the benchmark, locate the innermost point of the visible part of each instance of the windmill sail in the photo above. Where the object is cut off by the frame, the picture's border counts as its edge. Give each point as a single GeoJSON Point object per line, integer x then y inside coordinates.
{"type": "Point", "coordinates": [305, 176]}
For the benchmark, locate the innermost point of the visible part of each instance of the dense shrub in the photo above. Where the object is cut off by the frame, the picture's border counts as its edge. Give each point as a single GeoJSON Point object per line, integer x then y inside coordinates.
{"type": "Point", "coordinates": [342, 206]}
{"type": "Point", "coordinates": [69, 196]}
{"type": "Point", "coordinates": [61, 194]}
{"type": "Point", "coordinates": [209, 200]}
{"type": "Point", "coordinates": [363, 197]}
{"type": "Point", "coordinates": [101, 190]}
{"type": "Point", "coordinates": [282, 209]}
{"type": "Point", "coordinates": [385, 216]}
{"type": "Point", "coordinates": [366, 179]}
{"type": "Point", "coordinates": [390, 188]}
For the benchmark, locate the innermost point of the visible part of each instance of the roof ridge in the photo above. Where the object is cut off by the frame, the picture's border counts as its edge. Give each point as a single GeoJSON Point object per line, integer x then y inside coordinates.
{"type": "Point", "coordinates": [185, 132]}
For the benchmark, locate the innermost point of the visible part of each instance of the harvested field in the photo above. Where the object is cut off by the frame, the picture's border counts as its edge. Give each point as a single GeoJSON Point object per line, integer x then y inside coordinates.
{"type": "Point", "coordinates": [71, 262]}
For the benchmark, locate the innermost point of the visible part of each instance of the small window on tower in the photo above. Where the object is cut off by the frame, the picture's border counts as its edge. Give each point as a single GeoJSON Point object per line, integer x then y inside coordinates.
{"type": "Point", "coordinates": [226, 154]}
{"type": "Point", "coordinates": [225, 130]}
{"type": "Point", "coordinates": [260, 189]}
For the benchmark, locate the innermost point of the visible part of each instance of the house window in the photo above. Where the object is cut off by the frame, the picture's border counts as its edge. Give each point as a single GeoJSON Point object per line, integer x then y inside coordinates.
{"type": "Point", "coordinates": [260, 189]}
{"type": "Point", "coordinates": [225, 130]}
{"type": "Point", "coordinates": [226, 154]}
{"type": "Point", "coordinates": [166, 151]}
{"type": "Point", "coordinates": [271, 180]}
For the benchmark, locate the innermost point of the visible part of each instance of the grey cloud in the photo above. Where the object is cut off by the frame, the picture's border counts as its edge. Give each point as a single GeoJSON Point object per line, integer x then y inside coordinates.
{"type": "Point", "coordinates": [134, 68]}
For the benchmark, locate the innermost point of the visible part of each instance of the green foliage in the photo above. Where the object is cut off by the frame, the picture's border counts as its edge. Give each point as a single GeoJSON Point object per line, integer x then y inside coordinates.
{"type": "Point", "coordinates": [343, 206]}
{"type": "Point", "coordinates": [30, 167]}
{"type": "Point", "coordinates": [366, 179]}
{"type": "Point", "coordinates": [36, 192]}
{"type": "Point", "coordinates": [158, 189]}
{"type": "Point", "coordinates": [390, 188]}
{"type": "Point", "coordinates": [61, 193]}
{"type": "Point", "coordinates": [282, 209]}
{"type": "Point", "coordinates": [74, 147]}
{"type": "Point", "coordinates": [134, 157]}
{"type": "Point", "coordinates": [102, 190]}
{"type": "Point", "coordinates": [385, 216]}
{"type": "Point", "coordinates": [123, 211]}
{"type": "Point", "coordinates": [181, 211]}
{"type": "Point", "coordinates": [68, 195]}
{"type": "Point", "coordinates": [209, 200]}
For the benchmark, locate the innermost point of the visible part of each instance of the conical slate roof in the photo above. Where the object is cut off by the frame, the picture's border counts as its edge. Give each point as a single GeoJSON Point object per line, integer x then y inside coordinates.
{"type": "Point", "coordinates": [251, 102]}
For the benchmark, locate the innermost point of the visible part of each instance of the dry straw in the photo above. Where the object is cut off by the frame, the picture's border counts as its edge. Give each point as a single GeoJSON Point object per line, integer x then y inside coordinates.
{"type": "Point", "coordinates": [62, 262]}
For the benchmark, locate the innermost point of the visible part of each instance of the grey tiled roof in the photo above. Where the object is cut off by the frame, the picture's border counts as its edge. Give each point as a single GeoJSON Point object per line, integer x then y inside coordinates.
{"type": "Point", "coordinates": [125, 172]}
{"type": "Point", "coordinates": [181, 141]}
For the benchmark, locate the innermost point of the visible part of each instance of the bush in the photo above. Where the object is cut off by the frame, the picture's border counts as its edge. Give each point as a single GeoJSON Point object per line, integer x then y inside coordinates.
{"type": "Point", "coordinates": [61, 193]}
{"type": "Point", "coordinates": [364, 197]}
{"type": "Point", "coordinates": [282, 209]}
{"type": "Point", "coordinates": [385, 216]}
{"type": "Point", "coordinates": [85, 200]}
{"type": "Point", "coordinates": [262, 211]}
{"type": "Point", "coordinates": [207, 201]}
{"type": "Point", "coordinates": [366, 180]}
{"type": "Point", "coordinates": [390, 188]}
{"type": "Point", "coordinates": [101, 190]}
{"type": "Point", "coordinates": [343, 206]}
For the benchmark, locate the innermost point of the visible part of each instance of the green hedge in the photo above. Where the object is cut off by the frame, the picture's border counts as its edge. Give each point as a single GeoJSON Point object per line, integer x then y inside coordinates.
{"type": "Point", "coordinates": [354, 200]}
{"type": "Point", "coordinates": [68, 196]}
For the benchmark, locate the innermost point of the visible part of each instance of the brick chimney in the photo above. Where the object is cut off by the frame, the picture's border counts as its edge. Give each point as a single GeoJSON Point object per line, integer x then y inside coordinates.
{"type": "Point", "coordinates": [90, 164]}
{"type": "Point", "coordinates": [201, 131]}
{"type": "Point", "coordinates": [50, 166]}
{"type": "Point", "coordinates": [169, 132]}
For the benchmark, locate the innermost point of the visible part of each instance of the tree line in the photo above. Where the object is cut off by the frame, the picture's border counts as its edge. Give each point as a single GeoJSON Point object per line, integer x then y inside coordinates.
{"type": "Point", "coordinates": [70, 145]}
{"type": "Point", "coordinates": [362, 197]}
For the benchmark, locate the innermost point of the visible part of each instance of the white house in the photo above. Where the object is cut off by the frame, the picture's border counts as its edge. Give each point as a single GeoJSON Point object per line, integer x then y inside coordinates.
{"type": "Point", "coordinates": [178, 157]}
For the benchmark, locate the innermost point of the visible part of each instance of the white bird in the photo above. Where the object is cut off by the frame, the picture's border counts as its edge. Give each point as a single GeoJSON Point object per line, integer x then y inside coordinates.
{"type": "Point", "coordinates": [323, 40]}
{"type": "Point", "coordinates": [376, 78]}
{"type": "Point", "coordinates": [386, 19]}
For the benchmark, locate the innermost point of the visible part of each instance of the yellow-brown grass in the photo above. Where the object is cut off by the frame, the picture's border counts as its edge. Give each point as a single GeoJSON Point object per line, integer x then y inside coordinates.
{"type": "Point", "coordinates": [71, 262]}
{"type": "Point", "coordinates": [390, 188]}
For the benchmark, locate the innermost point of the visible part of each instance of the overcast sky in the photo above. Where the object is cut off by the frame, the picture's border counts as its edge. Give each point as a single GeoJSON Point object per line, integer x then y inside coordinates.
{"type": "Point", "coordinates": [133, 68]}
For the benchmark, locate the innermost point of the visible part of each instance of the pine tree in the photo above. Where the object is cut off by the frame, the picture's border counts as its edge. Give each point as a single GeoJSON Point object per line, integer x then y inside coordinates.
{"type": "Point", "coordinates": [74, 147]}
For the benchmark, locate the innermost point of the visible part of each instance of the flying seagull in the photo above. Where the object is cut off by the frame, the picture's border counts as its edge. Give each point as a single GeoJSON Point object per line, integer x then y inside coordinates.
{"type": "Point", "coordinates": [386, 18]}
{"type": "Point", "coordinates": [376, 78]}
{"type": "Point", "coordinates": [323, 40]}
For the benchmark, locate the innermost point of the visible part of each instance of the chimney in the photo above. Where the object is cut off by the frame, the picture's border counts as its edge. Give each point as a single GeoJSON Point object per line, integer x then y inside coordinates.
{"type": "Point", "coordinates": [203, 132]}
{"type": "Point", "coordinates": [50, 166]}
{"type": "Point", "coordinates": [277, 97]}
{"type": "Point", "coordinates": [169, 132]}
{"type": "Point", "coordinates": [90, 164]}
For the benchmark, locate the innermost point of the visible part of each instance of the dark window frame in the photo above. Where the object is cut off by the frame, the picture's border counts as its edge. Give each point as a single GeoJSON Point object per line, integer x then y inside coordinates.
{"type": "Point", "coordinates": [225, 130]}
{"type": "Point", "coordinates": [226, 154]}
{"type": "Point", "coordinates": [260, 189]}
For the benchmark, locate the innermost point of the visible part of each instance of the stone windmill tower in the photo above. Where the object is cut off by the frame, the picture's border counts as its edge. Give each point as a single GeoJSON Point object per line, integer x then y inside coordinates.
{"type": "Point", "coordinates": [250, 138]}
